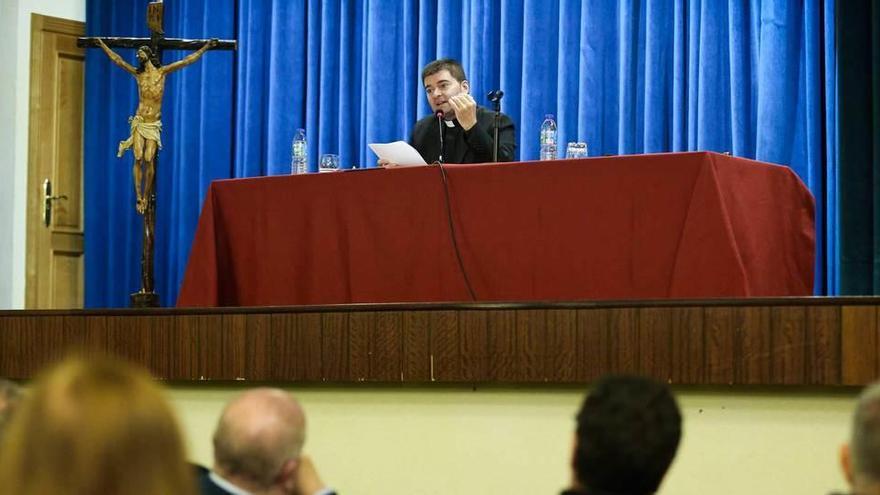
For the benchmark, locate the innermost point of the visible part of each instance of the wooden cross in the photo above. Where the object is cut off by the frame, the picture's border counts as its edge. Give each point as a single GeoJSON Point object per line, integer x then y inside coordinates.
{"type": "Point", "coordinates": [157, 40]}
{"type": "Point", "coordinates": [146, 125]}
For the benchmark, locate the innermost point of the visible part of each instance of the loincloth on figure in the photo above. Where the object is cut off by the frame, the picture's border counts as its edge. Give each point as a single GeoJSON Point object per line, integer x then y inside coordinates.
{"type": "Point", "coordinates": [147, 130]}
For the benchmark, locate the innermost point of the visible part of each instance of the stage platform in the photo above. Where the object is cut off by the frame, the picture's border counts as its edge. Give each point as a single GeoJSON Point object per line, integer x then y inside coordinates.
{"type": "Point", "coordinates": [779, 341]}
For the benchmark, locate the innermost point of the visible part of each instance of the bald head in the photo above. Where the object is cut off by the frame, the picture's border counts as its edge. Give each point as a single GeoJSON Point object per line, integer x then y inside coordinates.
{"type": "Point", "coordinates": [259, 432]}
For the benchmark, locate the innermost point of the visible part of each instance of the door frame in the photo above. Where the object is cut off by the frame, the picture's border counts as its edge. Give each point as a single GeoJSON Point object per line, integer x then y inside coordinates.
{"type": "Point", "coordinates": [40, 24]}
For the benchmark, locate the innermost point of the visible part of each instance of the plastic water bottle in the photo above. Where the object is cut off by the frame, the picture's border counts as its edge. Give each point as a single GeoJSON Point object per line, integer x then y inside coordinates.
{"type": "Point", "coordinates": [299, 161]}
{"type": "Point", "coordinates": [548, 138]}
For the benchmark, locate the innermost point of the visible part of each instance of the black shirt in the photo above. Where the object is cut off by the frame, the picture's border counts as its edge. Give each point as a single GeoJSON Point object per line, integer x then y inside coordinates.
{"type": "Point", "coordinates": [460, 146]}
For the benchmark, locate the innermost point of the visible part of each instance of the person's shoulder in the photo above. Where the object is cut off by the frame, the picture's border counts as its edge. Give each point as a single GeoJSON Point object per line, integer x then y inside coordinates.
{"type": "Point", "coordinates": [426, 120]}
{"type": "Point", "coordinates": [488, 112]}
{"type": "Point", "coordinates": [423, 123]}
{"type": "Point", "coordinates": [205, 484]}
{"type": "Point", "coordinates": [208, 487]}
{"type": "Point", "coordinates": [488, 115]}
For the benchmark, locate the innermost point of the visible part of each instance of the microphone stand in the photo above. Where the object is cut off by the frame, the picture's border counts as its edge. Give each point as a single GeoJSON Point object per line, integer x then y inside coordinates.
{"type": "Point", "coordinates": [495, 97]}
{"type": "Point", "coordinates": [440, 127]}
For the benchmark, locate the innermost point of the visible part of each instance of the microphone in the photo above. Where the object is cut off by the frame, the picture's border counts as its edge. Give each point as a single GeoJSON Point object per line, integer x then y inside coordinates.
{"type": "Point", "coordinates": [495, 97]}
{"type": "Point", "coordinates": [439, 114]}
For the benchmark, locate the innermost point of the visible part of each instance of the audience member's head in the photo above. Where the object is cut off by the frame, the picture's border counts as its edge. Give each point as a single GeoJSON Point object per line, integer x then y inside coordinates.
{"type": "Point", "coordinates": [10, 396]}
{"type": "Point", "coordinates": [861, 457]}
{"type": "Point", "coordinates": [628, 431]}
{"type": "Point", "coordinates": [92, 426]}
{"type": "Point", "coordinates": [258, 441]}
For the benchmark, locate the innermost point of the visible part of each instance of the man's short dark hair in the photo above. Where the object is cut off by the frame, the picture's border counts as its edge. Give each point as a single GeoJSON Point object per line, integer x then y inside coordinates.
{"type": "Point", "coordinates": [865, 439]}
{"type": "Point", "coordinates": [453, 66]}
{"type": "Point", "coordinates": [628, 431]}
{"type": "Point", "coordinates": [150, 55]}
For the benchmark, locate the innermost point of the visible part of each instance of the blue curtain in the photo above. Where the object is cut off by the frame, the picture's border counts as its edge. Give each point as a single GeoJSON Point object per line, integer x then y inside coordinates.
{"type": "Point", "coordinates": [750, 77]}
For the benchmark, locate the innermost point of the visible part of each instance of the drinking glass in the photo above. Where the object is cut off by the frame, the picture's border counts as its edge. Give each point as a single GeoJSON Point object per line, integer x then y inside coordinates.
{"type": "Point", "coordinates": [576, 150]}
{"type": "Point", "coordinates": [329, 163]}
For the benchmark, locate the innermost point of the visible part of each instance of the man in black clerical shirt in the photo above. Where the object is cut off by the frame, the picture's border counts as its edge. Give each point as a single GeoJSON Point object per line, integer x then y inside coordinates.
{"type": "Point", "coordinates": [467, 128]}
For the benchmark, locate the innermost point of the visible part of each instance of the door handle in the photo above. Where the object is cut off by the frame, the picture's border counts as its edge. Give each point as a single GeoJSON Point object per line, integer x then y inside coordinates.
{"type": "Point", "coordinates": [47, 202]}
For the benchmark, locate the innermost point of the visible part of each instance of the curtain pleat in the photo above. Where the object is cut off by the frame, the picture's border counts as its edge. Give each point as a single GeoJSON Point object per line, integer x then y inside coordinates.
{"type": "Point", "coordinates": [752, 77]}
{"type": "Point", "coordinates": [113, 229]}
{"type": "Point", "coordinates": [858, 49]}
{"type": "Point", "coordinates": [827, 196]}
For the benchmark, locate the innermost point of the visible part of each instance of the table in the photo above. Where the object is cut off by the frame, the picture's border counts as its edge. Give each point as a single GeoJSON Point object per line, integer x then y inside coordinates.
{"type": "Point", "coordinates": [675, 225]}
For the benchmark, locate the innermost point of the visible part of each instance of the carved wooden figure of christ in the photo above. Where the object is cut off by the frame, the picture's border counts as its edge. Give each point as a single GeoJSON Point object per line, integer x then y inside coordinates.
{"type": "Point", "coordinates": [146, 123]}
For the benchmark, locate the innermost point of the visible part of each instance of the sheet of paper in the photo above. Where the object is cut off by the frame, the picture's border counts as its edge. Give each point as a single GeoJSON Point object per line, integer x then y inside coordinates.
{"type": "Point", "coordinates": [399, 152]}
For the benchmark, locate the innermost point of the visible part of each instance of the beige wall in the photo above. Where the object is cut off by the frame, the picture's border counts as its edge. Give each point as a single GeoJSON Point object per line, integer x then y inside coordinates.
{"type": "Point", "coordinates": [517, 441]}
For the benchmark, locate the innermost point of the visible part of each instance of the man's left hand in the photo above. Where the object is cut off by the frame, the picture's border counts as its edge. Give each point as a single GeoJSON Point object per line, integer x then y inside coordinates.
{"type": "Point", "coordinates": [465, 110]}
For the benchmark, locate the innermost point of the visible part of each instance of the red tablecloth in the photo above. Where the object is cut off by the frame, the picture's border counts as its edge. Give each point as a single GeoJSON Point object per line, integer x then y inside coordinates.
{"type": "Point", "coordinates": [679, 225]}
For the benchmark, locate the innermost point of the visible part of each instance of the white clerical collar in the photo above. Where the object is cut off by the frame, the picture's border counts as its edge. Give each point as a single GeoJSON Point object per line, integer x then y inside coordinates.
{"type": "Point", "coordinates": [449, 123]}
{"type": "Point", "coordinates": [226, 485]}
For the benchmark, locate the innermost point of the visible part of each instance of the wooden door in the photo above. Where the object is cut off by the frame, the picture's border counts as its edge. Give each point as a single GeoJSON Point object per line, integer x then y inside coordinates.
{"type": "Point", "coordinates": [55, 149]}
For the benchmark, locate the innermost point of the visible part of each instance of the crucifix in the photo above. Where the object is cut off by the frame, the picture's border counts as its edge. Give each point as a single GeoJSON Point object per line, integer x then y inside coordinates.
{"type": "Point", "coordinates": [146, 124]}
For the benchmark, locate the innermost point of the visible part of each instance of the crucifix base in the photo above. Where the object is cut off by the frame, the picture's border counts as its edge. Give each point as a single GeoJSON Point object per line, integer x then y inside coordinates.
{"type": "Point", "coordinates": [145, 300]}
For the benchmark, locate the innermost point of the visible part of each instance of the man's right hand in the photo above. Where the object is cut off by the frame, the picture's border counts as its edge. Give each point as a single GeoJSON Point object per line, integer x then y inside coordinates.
{"type": "Point", "coordinates": [385, 163]}
{"type": "Point", "coordinates": [308, 482]}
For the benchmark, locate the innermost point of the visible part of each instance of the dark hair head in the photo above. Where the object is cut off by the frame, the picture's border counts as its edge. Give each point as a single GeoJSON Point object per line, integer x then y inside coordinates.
{"type": "Point", "coordinates": [628, 431]}
{"type": "Point", "coordinates": [453, 66]}
{"type": "Point", "coordinates": [150, 55]}
{"type": "Point", "coordinates": [865, 437]}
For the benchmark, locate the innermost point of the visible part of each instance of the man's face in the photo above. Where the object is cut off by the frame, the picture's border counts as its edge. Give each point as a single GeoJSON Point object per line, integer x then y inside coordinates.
{"type": "Point", "coordinates": [440, 87]}
{"type": "Point", "coordinates": [142, 56]}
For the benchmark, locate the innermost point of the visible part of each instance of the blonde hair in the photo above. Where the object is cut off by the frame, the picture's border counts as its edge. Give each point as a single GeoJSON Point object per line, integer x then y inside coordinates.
{"type": "Point", "coordinates": [94, 426]}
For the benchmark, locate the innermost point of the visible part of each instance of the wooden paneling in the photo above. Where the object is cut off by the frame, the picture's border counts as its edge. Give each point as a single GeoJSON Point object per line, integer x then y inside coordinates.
{"type": "Point", "coordinates": [445, 349]}
{"type": "Point", "coordinates": [786, 342]}
{"type": "Point", "coordinates": [753, 333]}
{"type": "Point", "coordinates": [788, 345]}
{"type": "Point", "coordinates": [416, 347]}
{"type": "Point", "coordinates": [334, 346]}
{"type": "Point", "coordinates": [234, 341]}
{"type": "Point", "coordinates": [623, 337]}
{"type": "Point", "coordinates": [688, 364]}
{"type": "Point", "coordinates": [858, 344]}
{"type": "Point", "coordinates": [307, 352]}
{"type": "Point", "coordinates": [655, 343]}
{"type": "Point", "coordinates": [594, 343]}
{"type": "Point", "coordinates": [473, 333]}
{"type": "Point", "coordinates": [505, 360]}
{"type": "Point", "coordinates": [560, 363]}
{"type": "Point", "coordinates": [360, 331]}
{"type": "Point", "coordinates": [720, 343]}
{"type": "Point", "coordinates": [822, 356]}
{"type": "Point", "coordinates": [284, 342]}
{"type": "Point", "coordinates": [531, 344]}
{"type": "Point", "coordinates": [386, 351]}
